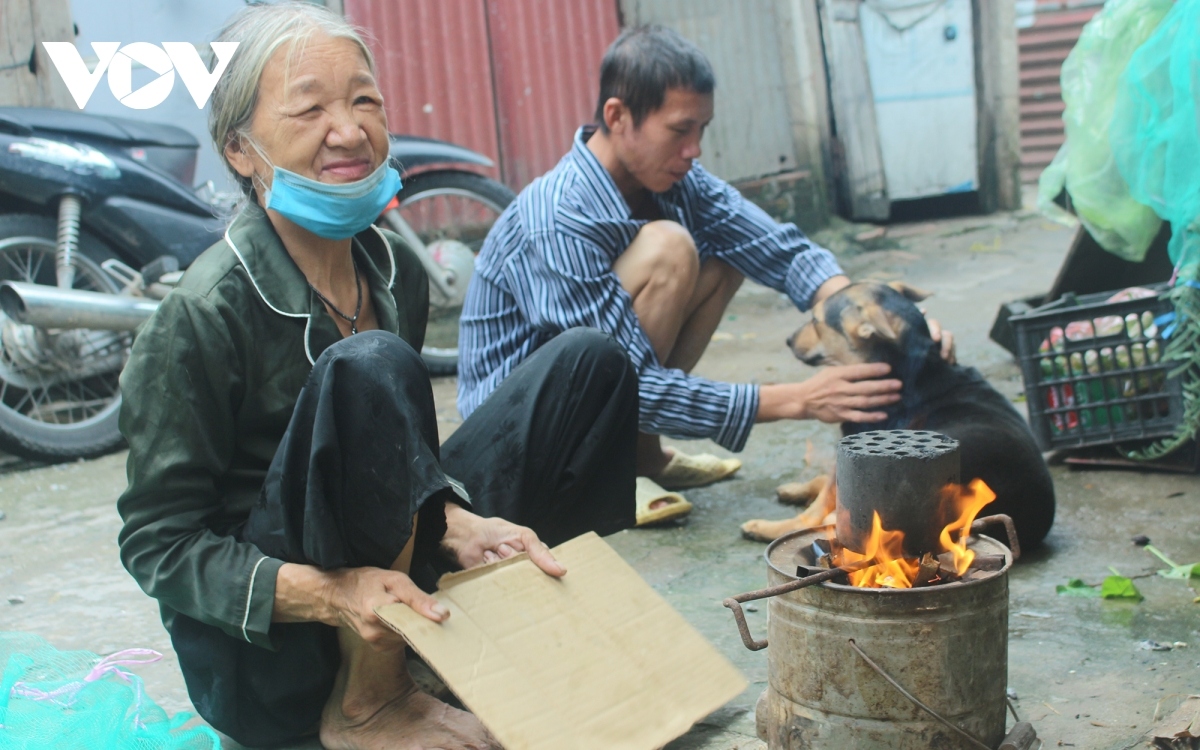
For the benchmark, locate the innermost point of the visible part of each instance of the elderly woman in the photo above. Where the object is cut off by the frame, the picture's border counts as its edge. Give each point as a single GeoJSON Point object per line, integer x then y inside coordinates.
{"type": "Point", "coordinates": [285, 476]}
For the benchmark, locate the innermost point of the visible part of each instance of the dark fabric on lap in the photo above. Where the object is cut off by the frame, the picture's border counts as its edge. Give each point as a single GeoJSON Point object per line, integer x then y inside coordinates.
{"type": "Point", "coordinates": [342, 491]}
{"type": "Point", "coordinates": [552, 449]}
{"type": "Point", "coordinates": [358, 460]}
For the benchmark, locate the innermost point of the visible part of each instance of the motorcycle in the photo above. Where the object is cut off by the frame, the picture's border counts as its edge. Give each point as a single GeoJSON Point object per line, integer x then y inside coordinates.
{"type": "Point", "coordinates": [98, 221]}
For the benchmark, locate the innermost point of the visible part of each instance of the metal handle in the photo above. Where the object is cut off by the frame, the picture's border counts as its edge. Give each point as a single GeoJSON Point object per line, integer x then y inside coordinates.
{"type": "Point", "coordinates": [735, 602]}
{"type": "Point", "coordinates": [1014, 546]}
{"type": "Point", "coordinates": [900, 689]}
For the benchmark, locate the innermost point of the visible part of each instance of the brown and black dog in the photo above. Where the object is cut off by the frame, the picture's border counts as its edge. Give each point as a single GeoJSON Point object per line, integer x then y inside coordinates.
{"type": "Point", "coordinates": [871, 322]}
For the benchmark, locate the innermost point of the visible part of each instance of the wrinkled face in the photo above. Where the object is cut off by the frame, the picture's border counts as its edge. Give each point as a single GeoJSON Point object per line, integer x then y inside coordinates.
{"type": "Point", "coordinates": [659, 152]}
{"type": "Point", "coordinates": [853, 325]}
{"type": "Point", "coordinates": [319, 114]}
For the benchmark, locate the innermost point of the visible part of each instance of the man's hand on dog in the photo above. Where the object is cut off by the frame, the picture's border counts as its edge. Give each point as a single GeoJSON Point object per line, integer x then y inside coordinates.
{"type": "Point", "coordinates": [849, 393]}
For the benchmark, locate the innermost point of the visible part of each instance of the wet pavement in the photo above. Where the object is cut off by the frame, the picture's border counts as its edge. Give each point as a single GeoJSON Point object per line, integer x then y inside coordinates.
{"type": "Point", "coordinates": [1077, 666]}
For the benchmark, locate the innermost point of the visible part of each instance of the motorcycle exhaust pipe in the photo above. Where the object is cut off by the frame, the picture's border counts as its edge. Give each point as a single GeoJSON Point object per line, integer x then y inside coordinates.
{"type": "Point", "coordinates": [50, 307]}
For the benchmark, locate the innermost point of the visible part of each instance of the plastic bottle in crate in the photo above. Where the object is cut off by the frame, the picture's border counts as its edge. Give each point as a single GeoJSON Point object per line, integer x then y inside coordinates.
{"type": "Point", "coordinates": [1066, 392]}
{"type": "Point", "coordinates": [1128, 390]}
{"type": "Point", "coordinates": [1095, 386]}
{"type": "Point", "coordinates": [1080, 387]}
{"type": "Point", "coordinates": [1112, 387]}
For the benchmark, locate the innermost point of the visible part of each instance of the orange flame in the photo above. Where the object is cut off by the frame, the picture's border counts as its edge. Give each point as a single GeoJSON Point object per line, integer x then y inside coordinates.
{"type": "Point", "coordinates": [893, 569]}
{"type": "Point", "coordinates": [970, 502]}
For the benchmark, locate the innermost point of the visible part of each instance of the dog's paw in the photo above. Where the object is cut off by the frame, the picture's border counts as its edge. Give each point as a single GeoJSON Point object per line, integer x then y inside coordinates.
{"type": "Point", "coordinates": [757, 531]}
{"type": "Point", "coordinates": [801, 493]}
{"type": "Point", "coordinates": [793, 493]}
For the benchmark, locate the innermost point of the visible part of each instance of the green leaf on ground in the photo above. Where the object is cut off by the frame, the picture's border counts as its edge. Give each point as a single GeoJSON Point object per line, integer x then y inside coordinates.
{"type": "Point", "coordinates": [1120, 587]}
{"type": "Point", "coordinates": [1181, 572]}
{"type": "Point", "coordinates": [1076, 587]}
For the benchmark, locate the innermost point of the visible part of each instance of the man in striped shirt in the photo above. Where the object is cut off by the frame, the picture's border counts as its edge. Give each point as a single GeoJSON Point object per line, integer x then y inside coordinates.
{"type": "Point", "coordinates": [629, 235]}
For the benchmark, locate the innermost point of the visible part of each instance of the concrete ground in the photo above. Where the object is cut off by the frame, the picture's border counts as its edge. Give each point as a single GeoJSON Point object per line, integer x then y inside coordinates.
{"type": "Point", "coordinates": [1075, 664]}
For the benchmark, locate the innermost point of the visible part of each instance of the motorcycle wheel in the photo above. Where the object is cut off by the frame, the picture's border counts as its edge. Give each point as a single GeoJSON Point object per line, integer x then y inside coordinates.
{"type": "Point", "coordinates": [59, 390]}
{"type": "Point", "coordinates": [457, 209]}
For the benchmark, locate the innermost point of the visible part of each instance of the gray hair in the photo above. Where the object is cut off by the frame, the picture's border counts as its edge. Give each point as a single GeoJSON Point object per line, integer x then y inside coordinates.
{"type": "Point", "coordinates": [260, 30]}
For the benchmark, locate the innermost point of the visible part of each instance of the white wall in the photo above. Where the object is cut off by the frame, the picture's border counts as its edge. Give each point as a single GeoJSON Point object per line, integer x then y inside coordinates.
{"type": "Point", "coordinates": [156, 21]}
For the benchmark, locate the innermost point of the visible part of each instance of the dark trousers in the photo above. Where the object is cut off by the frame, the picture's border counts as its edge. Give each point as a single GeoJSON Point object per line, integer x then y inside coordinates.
{"type": "Point", "coordinates": [552, 449]}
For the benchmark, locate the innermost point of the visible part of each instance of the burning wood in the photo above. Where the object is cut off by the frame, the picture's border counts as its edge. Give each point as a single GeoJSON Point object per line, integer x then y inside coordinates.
{"type": "Point", "coordinates": [927, 570]}
{"type": "Point", "coordinates": [892, 568]}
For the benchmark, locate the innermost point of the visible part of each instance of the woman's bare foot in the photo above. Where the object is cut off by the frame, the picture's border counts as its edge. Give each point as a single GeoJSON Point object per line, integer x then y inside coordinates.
{"type": "Point", "coordinates": [410, 721]}
{"type": "Point", "coordinates": [375, 705]}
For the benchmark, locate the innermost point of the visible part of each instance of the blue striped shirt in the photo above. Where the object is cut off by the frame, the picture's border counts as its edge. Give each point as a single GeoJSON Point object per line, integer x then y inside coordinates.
{"type": "Point", "coordinates": [547, 266]}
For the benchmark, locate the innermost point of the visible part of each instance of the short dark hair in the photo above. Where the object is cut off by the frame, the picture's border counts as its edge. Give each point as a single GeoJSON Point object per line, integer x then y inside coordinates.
{"type": "Point", "coordinates": [644, 63]}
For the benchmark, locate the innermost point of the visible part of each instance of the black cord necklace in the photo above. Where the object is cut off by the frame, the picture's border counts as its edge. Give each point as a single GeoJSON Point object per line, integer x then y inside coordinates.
{"type": "Point", "coordinates": [351, 319]}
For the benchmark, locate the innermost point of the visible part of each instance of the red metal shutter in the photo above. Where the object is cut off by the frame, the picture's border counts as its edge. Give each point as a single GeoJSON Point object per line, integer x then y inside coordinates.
{"type": "Point", "coordinates": [434, 69]}
{"type": "Point", "coordinates": [1043, 48]}
{"type": "Point", "coordinates": [546, 55]}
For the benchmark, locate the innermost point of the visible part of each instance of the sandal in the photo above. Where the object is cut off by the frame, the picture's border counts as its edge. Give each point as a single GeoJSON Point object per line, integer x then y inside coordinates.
{"type": "Point", "coordinates": [648, 493]}
{"type": "Point", "coordinates": [684, 471]}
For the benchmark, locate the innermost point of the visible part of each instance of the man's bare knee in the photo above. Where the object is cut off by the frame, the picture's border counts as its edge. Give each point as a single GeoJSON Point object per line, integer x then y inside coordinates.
{"type": "Point", "coordinates": [663, 254]}
{"type": "Point", "coordinates": [668, 247]}
{"type": "Point", "coordinates": [666, 232]}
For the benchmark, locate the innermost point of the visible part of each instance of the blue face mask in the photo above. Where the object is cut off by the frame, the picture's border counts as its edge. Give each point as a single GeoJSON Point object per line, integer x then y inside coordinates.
{"type": "Point", "coordinates": [332, 211]}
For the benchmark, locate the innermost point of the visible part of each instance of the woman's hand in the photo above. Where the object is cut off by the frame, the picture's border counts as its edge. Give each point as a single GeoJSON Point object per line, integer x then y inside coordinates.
{"type": "Point", "coordinates": [472, 540]}
{"type": "Point", "coordinates": [354, 594]}
{"type": "Point", "coordinates": [348, 597]}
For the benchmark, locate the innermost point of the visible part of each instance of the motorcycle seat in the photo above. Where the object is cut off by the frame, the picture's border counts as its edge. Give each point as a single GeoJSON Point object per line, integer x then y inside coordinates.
{"type": "Point", "coordinates": [85, 125]}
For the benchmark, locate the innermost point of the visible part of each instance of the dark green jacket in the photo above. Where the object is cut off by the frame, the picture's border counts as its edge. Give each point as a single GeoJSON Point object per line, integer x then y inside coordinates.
{"type": "Point", "coordinates": [207, 394]}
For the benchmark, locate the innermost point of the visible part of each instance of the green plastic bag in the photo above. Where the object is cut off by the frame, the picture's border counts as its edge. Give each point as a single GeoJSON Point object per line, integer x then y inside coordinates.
{"type": "Point", "coordinates": [1155, 131]}
{"type": "Point", "coordinates": [1155, 139]}
{"type": "Point", "coordinates": [1084, 165]}
{"type": "Point", "coordinates": [76, 700]}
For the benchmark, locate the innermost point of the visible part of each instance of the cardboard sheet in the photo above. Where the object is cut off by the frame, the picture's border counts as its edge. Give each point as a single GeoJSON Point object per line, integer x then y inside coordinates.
{"type": "Point", "coordinates": [593, 661]}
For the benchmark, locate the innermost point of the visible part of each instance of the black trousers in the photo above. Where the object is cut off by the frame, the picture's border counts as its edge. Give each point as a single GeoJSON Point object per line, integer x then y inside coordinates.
{"type": "Point", "coordinates": [553, 448]}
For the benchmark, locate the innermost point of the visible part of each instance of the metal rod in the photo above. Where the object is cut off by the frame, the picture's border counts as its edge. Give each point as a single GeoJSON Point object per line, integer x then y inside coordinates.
{"type": "Point", "coordinates": [69, 209]}
{"type": "Point", "coordinates": [879, 670]}
{"type": "Point", "coordinates": [1012, 709]}
{"type": "Point", "coordinates": [50, 307]}
{"type": "Point", "coordinates": [735, 602]}
{"type": "Point", "coordinates": [437, 274]}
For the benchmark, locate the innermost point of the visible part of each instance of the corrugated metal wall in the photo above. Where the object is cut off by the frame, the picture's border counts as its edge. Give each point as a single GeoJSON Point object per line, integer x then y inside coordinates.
{"type": "Point", "coordinates": [434, 68]}
{"type": "Point", "coordinates": [1045, 41]}
{"type": "Point", "coordinates": [751, 135]}
{"type": "Point", "coordinates": [546, 57]}
{"type": "Point", "coordinates": [511, 79]}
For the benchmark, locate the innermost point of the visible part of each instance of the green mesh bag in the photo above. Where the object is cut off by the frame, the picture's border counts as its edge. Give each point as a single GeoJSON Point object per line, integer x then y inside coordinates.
{"type": "Point", "coordinates": [76, 700]}
{"type": "Point", "coordinates": [1155, 130]}
{"type": "Point", "coordinates": [1155, 140]}
{"type": "Point", "coordinates": [1084, 165]}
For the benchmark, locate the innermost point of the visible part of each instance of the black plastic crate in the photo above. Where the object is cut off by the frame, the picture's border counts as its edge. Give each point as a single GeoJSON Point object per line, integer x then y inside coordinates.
{"type": "Point", "coordinates": [1091, 381]}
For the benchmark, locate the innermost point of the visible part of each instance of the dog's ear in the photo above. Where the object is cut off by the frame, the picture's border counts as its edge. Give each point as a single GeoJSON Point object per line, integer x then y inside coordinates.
{"type": "Point", "coordinates": [911, 293]}
{"type": "Point", "coordinates": [875, 324]}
